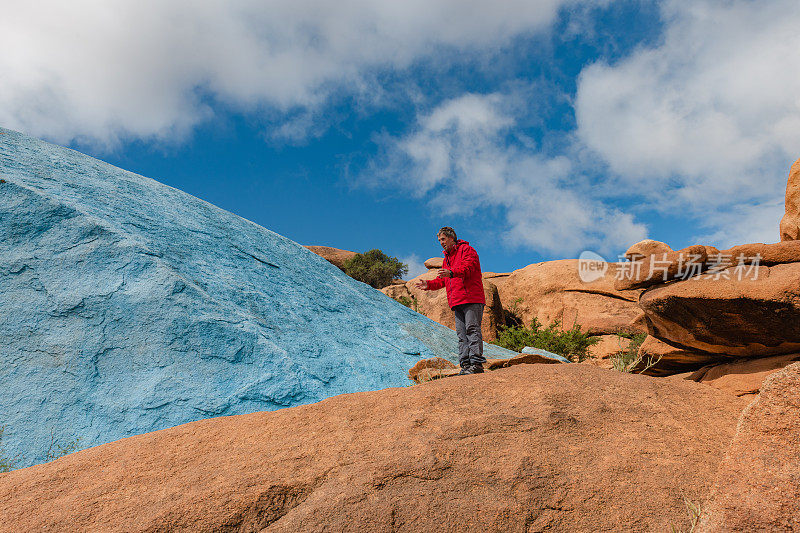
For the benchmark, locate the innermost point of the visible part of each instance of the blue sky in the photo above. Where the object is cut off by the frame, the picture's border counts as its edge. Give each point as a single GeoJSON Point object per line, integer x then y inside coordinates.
{"type": "Point", "coordinates": [536, 129]}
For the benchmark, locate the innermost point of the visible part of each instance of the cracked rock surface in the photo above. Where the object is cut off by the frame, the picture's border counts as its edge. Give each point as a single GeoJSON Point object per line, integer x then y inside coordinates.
{"type": "Point", "coordinates": [127, 306]}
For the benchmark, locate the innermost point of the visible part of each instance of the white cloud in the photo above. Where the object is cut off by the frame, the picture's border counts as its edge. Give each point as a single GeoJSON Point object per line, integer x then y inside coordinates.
{"type": "Point", "coordinates": [416, 266]}
{"type": "Point", "coordinates": [707, 120]}
{"type": "Point", "coordinates": [99, 71]}
{"type": "Point", "coordinates": [744, 224]}
{"type": "Point", "coordinates": [460, 159]}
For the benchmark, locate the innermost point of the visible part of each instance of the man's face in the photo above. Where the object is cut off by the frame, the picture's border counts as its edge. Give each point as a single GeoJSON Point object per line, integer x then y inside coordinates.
{"type": "Point", "coordinates": [447, 242]}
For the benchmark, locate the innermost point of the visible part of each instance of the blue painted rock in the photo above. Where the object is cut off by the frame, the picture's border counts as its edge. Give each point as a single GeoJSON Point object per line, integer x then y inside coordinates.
{"type": "Point", "coordinates": [127, 306]}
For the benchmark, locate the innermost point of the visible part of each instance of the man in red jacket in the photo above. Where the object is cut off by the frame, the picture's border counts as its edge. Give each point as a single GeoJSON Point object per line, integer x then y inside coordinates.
{"type": "Point", "coordinates": [462, 278]}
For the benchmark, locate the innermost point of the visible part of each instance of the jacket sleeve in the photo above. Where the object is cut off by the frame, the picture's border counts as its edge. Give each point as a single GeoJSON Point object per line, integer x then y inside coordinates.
{"type": "Point", "coordinates": [435, 284]}
{"type": "Point", "coordinates": [468, 263]}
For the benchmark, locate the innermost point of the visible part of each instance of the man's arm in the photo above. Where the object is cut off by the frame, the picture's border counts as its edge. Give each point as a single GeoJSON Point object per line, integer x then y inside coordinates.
{"type": "Point", "coordinates": [430, 285]}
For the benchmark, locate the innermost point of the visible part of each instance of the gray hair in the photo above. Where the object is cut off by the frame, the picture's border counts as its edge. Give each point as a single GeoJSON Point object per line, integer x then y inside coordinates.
{"type": "Point", "coordinates": [447, 231]}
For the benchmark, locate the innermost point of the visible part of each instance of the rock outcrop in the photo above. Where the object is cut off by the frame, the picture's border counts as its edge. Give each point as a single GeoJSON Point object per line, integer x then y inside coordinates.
{"type": "Point", "coordinates": [129, 306]}
{"type": "Point", "coordinates": [758, 484]}
{"type": "Point", "coordinates": [656, 269]}
{"type": "Point", "coordinates": [790, 223]}
{"type": "Point", "coordinates": [664, 359]}
{"type": "Point", "coordinates": [753, 317]}
{"type": "Point", "coordinates": [744, 376]}
{"type": "Point", "coordinates": [334, 256]}
{"type": "Point", "coordinates": [528, 448]}
{"type": "Point", "coordinates": [553, 290]}
{"type": "Point", "coordinates": [646, 248]}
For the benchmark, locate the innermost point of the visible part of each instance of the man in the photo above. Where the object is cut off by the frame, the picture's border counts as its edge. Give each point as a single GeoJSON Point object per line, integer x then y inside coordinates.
{"type": "Point", "coordinates": [461, 276]}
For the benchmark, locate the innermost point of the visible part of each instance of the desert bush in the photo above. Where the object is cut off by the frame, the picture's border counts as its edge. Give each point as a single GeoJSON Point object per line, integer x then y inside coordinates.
{"type": "Point", "coordinates": [572, 343]}
{"type": "Point", "coordinates": [628, 359]}
{"type": "Point", "coordinates": [375, 268]}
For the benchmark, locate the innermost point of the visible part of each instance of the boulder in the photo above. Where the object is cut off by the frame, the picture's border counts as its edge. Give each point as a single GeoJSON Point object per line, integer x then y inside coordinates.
{"type": "Point", "coordinates": [527, 448]}
{"type": "Point", "coordinates": [553, 290]}
{"type": "Point", "coordinates": [415, 373]}
{"type": "Point", "coordinates": [742, 376]}
{"type": "Point", "coordinates": [790, 223]}
{"type": "Point", "coordinates": [434, 263]}
{"type": "Point", "coordinates": [753, 316]}
{"type": "Point", "coordinates": [646, 248]}
{"type": "Point", "coordinates": [499, 279]}
{"type": "Point", "coordinates": [333, 255]}
{"type": "Point", "coordinates": [757, 487]}
{"type": "Point", "coordinates": [656, 269]}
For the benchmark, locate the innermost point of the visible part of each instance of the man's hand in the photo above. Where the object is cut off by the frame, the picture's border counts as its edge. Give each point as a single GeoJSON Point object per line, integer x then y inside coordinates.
{"type": "Point", "coordinates": [421, 284]}
{"type": "Point", "coordinates": [444, 273]}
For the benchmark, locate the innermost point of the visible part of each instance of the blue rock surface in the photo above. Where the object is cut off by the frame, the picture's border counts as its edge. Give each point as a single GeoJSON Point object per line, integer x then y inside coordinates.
{"type": "Point", "coordinates": [544, 353]}
{"type": "Point", "coordinates": [128, 306]}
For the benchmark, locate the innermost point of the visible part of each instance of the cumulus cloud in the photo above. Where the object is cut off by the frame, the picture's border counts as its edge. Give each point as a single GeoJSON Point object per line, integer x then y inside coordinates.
{"type": "Point", "coordinates": [463, 157]}
{"type": "Point", "coordinates": [743, 224]}
{"type": "Point", "coordinates": [102, 71]}
{"type": "Point", "coordinates": [707, 120]}
{"type": "Point", "coordinates": [416, 266]}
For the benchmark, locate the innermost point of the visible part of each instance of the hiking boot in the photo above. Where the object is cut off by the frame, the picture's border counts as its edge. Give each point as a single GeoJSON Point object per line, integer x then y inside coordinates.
{"type": "Point", "coordinates": [465, 370]}
{"type": "Point", "coordinates": [476, 369]}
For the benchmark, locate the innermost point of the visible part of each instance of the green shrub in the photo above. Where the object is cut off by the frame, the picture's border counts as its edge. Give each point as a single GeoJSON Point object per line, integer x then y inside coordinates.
{"type": "Point", "coordinates": [375, 268]}
{"type": "Point", "coordinates": [405, 300]}
{"type": "Point", "coordinates": [572, 343]}
{"type": "Point", "coordinates": [628, 360]}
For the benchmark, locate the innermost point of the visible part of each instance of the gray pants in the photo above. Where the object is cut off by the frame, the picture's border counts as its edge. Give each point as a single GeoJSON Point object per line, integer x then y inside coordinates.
{"type": "Point", "coordinates": [470, 339]}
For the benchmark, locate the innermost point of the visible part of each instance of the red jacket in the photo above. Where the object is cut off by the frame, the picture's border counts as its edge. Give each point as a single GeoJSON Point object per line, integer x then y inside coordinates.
{"type": "Point", "coordinates": [466, 285]}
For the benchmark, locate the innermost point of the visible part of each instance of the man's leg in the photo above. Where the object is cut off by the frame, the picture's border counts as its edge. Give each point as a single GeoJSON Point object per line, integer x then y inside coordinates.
{"type": "Point", "coordinates": [463, 341]}
{"type": "Point", "coordinates": [473, 313]}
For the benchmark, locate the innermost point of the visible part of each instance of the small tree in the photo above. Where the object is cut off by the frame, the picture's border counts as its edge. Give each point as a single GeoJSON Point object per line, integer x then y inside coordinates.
{"type": "Point", "coordinates": [375, 268]}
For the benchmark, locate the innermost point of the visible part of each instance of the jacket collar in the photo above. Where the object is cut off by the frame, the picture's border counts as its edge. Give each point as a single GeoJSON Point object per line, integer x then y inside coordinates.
{"type": "Point", "coordinates": [459, 242]}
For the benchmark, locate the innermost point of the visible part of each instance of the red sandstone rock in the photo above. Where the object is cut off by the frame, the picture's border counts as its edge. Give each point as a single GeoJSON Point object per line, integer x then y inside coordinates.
{"type": "Point", "coordinates": [790, 223]}
{"type": "Point", "coordinates": [528, 448]}
{"type": "Point", "coordinates": [553, 290]}
{"type": "Point", "coordinates": [646, 248]}
{"type": "Point", "coordinates": [765, 254]}
{"type": "Point", "coordinates": [758, 484]}
{"type": "Point", "coordinates": [434, 263]}
{"type": "Point", "coordinates": [743, 376]}
{"type": "Point", "coordinates": [499, 279]}
{"type": "Point", "coordinates": [436, 363]}
{"type": "Point", "coordinates": [333, 255]}
{"type": "Point", "coordinates": [656, 269]}
{"type": "Point", "coordinates": [752, 317]}
{"type": "Point", "coordinates": [669, 359]}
